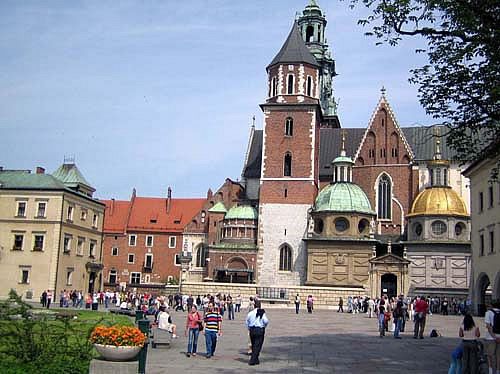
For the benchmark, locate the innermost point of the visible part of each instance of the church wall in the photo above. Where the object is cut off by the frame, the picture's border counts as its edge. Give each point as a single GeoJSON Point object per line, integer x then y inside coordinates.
{"type": "Point", "coordinates": [440, 268]}
{"type": "Point", "coordinates": [281, 224]}
{"type": "Point", "coordinates": [404, 189]}
{"type": "Point", "coordinates": [338, 264]}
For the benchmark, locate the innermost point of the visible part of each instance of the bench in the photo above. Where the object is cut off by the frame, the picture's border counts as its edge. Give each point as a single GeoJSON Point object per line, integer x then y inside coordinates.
{"type": "Point", "coordinates": [126, 312]}
{"type": "Point", "coordinates": [159, 337]}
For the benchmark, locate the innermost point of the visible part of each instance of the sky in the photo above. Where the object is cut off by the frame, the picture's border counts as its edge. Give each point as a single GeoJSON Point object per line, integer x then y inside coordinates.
{"type": "Point", "coordinates": [149, 94]}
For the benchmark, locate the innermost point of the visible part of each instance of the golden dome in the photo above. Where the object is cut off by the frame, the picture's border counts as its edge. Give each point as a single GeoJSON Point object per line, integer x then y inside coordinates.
{"type": "Point", "coordinates": [438, 201]}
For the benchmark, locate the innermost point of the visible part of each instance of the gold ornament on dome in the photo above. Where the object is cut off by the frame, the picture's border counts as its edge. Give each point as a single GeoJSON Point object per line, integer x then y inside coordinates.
{"type": "Point", "coordinates": [438, 201]}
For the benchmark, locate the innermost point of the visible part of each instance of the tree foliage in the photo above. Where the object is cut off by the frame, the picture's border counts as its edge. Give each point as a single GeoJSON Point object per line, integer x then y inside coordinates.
{"type": "Point", "coordinates": [459, 85]}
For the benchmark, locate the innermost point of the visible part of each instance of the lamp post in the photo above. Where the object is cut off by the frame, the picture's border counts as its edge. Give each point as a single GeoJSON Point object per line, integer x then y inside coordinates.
{"type": "Point", "coordinates": [185, 259]}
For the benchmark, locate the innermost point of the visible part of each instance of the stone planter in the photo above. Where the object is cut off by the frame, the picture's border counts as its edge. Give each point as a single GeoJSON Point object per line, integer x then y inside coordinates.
{"type": "Point", "coordinates": [113, 353]}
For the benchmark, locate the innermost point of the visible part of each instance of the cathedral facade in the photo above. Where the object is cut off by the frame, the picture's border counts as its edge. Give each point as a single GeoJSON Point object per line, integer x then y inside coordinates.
{"type": "Point", "coordinates": [382, 209]}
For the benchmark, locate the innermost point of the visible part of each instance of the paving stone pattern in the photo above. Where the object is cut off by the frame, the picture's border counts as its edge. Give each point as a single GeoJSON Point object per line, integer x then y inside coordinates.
{"type": "Point", "coordinates": [321, 342]}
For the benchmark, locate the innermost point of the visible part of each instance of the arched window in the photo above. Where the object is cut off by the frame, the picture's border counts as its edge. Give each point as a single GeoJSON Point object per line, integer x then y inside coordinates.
{"type": "Point", "coordinates": [438, 177]}
{"type": "Point", "coordinates": [285, 258]}
{"type": "Point", "coordinates": [201, 257]}
{"type": "Point", "coordinates": [445, 177]}
{"type": "Point", "coordinates": [274, 87]}
{"type": "Point", "coordinates": [309, 34]}
{"type": "Point", "coordinates": [384, 197]}
{"type": "Point", "coordinates": [309, 86]}
{"type": "Point", "coordinates": [289, 126]}
{"type": "Point", "coordinates": [290, 84]}
{"type": "Point", "coordinates": [287, 165]}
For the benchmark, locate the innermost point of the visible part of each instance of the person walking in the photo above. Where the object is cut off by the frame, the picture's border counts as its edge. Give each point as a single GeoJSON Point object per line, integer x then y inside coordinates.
{"type": "Point", "coordinates": [371, 307]}
{"type": "Point", "coordinates": [230, 307]}
{"type": "Point", "coordinates": [297, 304]}
{"type": "Point", "coordinates": [193, 322]}
{"type": "Point", "coordinates": [310, 304]}
{"type": "Point", "coordinates": [44, 299]}
{"type": "Point", "coordinates": [492, 337]}
{"type": "Point", "coordinates": [213, 327]}
{"type": "Point", "coordinates": [49, 298]}
{"type": "Point", "coordinates": [256, 324]}
{"type": "Point", "coordinates": [469, 333]}
{"type": "Point", "coordinates": [341, 306]}
{"type": "Point", "coordinates": [381, 317]}
{"type": "Point", "coordinates": [421, 308]}
{"type": "Point", "coordinates": [238, 303]}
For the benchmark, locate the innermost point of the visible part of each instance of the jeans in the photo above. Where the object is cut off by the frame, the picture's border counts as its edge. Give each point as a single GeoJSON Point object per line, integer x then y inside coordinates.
{"type": "Point", "coordinates": [230, 311]}
{"type": "Point", "coordinates": [297, 305]}
{"type": "Point", "coordinates": [106, 302]}
{"type": "Point", "coordinates": [419, 326]}
{"type": "Point", "coordinates": [470, 359]}
{"type": "Point", "coordinates": [381, 324]}
{"type": "Point", "coordinates": [193, 340]}
{"type": "Point", "coordinates": [238, 306]}
{"type": "Point", "coordinates": [210, 342]}
{"type": "Point", "coordinates": [397, 322]}
{"type": "Point", "coordinates": [455, 366]}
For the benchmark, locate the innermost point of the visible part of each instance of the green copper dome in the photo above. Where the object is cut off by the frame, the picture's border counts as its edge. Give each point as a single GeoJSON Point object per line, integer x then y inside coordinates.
{"type": "Point", "coordinates": [343, 197]}
{"type": "Point", "coordinates": [242, 212]}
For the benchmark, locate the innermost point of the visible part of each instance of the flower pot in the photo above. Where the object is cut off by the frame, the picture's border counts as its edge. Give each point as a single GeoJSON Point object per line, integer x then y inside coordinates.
{"type": "Point", "coordinates": [114, 353]}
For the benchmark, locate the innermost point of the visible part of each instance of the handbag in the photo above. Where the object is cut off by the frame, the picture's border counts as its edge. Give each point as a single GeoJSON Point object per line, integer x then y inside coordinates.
{"type": "Point", "coordinates": [387, 316]}
{"type": "Point", "coordinates": [200, 324]}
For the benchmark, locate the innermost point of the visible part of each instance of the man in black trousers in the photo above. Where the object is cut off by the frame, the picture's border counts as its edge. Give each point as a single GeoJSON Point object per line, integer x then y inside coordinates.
{"type": "Point", "coordinates": [256, 323]}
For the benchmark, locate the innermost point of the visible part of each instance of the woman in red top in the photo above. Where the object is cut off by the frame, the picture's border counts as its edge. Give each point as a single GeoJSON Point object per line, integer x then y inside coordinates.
{"type": "Point", "coordinates": [193, 326]}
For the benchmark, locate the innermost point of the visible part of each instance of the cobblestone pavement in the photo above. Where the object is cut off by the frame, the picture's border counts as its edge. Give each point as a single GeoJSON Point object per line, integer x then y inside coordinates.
{"type": "Point", "coordinates": [321, 342]}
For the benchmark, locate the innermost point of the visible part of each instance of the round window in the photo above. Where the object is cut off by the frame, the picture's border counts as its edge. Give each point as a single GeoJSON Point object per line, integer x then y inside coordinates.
{"type": "Point", "coordinates": [341, 224]}
{"type": "Point", "coordinates": [438, 227]}
{"type": "Point", "coordinates": [418, 229]}
{"type": "Point", "coordinates": [363, 225]}
{"type": "Point", "coordinates": [318, 226]}
{"type": "Point", "coordinates": [459, 228]}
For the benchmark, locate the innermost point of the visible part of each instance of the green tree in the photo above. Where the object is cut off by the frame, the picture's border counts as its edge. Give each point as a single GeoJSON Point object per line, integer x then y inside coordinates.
{"type": "Point", "coordinates": [459, 85]}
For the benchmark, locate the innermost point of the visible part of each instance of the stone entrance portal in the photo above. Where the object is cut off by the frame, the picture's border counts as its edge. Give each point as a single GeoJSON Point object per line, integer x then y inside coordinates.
{"type": "Point", "coordinates": [389, 285]}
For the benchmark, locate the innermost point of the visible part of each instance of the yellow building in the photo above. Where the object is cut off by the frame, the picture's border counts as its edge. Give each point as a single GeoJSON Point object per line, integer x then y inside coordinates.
{"type": "Point", "coordinates": [485, 235]}
{"type": "Point", "coordinates": [50, 232]}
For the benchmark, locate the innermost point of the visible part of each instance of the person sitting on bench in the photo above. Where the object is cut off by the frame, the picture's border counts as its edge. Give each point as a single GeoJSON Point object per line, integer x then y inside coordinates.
{"type": "Point", "coordinates": [165, 322]}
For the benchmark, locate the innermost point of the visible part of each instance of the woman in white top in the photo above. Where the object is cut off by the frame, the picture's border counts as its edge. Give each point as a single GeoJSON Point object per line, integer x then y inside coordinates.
{"type": "Point", "coordinates": [469, 333]}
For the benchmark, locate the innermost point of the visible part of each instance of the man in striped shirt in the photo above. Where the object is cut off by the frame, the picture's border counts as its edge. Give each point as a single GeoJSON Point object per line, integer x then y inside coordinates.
{"type": "Point", "coordinates": [213, 327]}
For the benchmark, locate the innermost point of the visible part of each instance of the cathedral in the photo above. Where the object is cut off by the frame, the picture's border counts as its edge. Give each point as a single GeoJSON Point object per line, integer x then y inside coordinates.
{"type": "Point", "coordinates": [382, 209]}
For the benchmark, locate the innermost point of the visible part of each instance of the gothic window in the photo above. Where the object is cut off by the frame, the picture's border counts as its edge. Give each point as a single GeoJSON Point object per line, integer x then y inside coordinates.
{"type": "Point", "coordinates": [309, 86]}
{"type": "Point", "coordinates": [309, 34]}
{"type": "Point", "coordinates": [285, 258]}
{"type": "Point", "coordinates": [384, 197]}
{"type": "Point", "coordinates": [290, 84]}
{"type": "Point", "coordinates": [289, 126]}
{"type": "Point", "coordinates": [201, 257]}
{"type": "Point", "coordinates": [287, 165]}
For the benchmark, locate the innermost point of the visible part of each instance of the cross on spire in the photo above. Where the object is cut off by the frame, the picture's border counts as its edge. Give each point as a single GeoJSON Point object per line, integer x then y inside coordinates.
{"type": "Point", "coordinates": [383, 91]}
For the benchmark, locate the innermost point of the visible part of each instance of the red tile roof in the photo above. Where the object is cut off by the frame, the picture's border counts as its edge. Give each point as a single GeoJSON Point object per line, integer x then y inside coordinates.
{"type": "Point", "coordinates": [146, 210]}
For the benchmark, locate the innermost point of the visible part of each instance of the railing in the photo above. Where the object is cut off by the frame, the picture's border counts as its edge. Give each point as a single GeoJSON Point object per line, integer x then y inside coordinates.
{"type": "Point", "coordinates": [272, 293]}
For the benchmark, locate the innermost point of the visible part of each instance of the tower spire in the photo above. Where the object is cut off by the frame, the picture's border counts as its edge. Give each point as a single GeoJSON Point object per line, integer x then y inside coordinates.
{"type": "Point", "coordinates": [437, 134]}
{"type": "Point", "coordinates": [342, 152]}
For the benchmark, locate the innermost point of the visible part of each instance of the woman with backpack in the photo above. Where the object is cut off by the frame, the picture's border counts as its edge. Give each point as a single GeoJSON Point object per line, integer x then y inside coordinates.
{"type": "Point", "coordinates": [469, 333]}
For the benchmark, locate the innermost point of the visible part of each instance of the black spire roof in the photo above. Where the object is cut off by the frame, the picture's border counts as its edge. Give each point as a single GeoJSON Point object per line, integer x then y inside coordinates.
{"type": "Point", "coordinates": [294, 50]}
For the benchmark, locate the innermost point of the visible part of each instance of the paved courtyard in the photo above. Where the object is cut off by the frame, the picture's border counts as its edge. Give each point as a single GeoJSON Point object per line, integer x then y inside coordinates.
{"type": "Point", "coordinates": [322, 342]}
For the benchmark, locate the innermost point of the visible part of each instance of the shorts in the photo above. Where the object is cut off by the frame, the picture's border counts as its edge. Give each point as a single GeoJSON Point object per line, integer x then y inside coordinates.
{"type": "Point", "coordinates": [492, 348]}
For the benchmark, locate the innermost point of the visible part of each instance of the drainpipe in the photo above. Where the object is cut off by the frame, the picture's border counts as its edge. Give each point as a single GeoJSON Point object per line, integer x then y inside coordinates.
{"type": "Point", "coordinates": [58, 248]}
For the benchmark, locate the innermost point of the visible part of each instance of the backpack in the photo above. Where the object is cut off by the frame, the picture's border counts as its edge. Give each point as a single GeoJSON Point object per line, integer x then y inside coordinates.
{"type": "Point", "coordinates": [496, 322]}
{"type": "Point", "coordinates": [434, 334]}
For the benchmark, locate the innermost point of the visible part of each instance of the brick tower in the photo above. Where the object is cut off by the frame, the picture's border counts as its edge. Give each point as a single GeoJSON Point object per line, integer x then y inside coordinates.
{"type": "Point", "coordinates": [290, 168]}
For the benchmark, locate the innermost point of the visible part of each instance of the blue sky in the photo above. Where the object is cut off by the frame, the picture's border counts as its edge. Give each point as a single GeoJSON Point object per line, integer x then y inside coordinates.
{"type": "Point", "coordinates": [151, 94]}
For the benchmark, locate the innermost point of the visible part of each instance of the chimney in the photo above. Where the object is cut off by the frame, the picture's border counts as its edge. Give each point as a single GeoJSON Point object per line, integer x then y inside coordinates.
{"type": "Point", "coordinates": [1, 168]}
{"type": "Point", "coordinates": [40, 170]}
{"type": "Point", "coordinates": [112, 206]}
{"type": "Point", "coordinates": [209, 193]}
{"type": "Point", "coordinates": [169, 197]}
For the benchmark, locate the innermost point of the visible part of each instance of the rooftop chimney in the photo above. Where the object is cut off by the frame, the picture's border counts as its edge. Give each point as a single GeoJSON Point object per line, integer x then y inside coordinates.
{"type": "Point", "coordinates": [40, 170]}
{"type": "Point", "coordinates": [169, 197]}
{"type": "Point", "coordinates": [112, 206]}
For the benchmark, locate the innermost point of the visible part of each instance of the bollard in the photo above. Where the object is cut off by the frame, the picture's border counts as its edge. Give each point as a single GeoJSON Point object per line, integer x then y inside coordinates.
{"type": "Point", "coordinates": [139, 314]}
{"type": "Point", "coordinates": [143, 353]}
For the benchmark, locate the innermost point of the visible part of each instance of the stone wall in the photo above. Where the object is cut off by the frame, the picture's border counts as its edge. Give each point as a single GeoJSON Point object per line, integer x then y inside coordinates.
{"type": "Point", "coordinates": [324, 297]}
